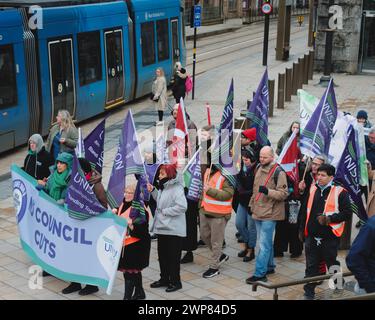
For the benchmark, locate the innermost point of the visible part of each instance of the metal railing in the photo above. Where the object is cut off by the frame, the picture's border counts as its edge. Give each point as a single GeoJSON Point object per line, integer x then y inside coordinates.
{"type": "Point", "coordinates": [254, 15]}
{"type": "Point", "coordinates": [277, 286]}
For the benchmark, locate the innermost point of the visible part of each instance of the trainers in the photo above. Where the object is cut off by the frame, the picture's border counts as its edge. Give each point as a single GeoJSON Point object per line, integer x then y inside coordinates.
{"type": "Point", "coordinates": [224, 257]}
{"type": "Point", "coordinates": [211, 273]}
{"type": "Point", "coordinates": [254, 279]}
{"type": "Point", "coordinates": [73, 287]}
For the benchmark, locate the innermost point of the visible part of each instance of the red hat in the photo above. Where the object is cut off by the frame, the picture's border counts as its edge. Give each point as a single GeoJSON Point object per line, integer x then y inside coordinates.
{"type": "Point", "coordinates": [251, 134]}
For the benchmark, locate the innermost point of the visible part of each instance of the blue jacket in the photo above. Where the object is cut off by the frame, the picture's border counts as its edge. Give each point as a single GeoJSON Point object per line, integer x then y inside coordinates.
{"type": "Point", "coordinates": [361, 257]}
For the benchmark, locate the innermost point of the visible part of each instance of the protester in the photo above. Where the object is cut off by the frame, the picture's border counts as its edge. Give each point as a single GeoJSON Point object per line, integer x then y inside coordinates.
{"type": "Point", "coordinates": [178, 87]}
{"type": "Point", "coordinates": [170, 226]}
{"type": "Point", "coordinates": [268, 206]}
{"type": "Point", "coordinates": [159, 92]}
{"type": "Point", "coordinates": [38, 160]}
{"type": "Point", "coordinates": [94, 179]}
{"type": "Point", "coordinates": [215, 210]}
{"type": "Point", "coordinates": [192, 133]}
{"type": "Point", "coordinates": [323, 221]}
{"type": "Point", "coordinates": [189, 243]}
{"type": "Point", "coordinates": [362, 118]}
{"type": "Point", "coordinates": [361, 258]}
{"type": "Point", "coordinates": [370, 146]}
{"type": "Point", "coordinates": [370, 208]}
{"type": "Point", "coordinates": [57, 183]}
{"type": "Point", "coordinates": [285, 137]}
{"type": "Point", "coordinates": [135, 254]}
{"type": "Point", "coordinates": [245, 224]}
{"type": "Point", "coordinates": [63, 136]}
{"type": "Point", "coordinates": [248, 138]}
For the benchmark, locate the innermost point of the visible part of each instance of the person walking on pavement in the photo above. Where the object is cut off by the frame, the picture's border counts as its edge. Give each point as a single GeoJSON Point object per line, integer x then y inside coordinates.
{"type": "Point", "coordinates": [323, 221]}
{"type": "Point", "coordinates": [178, 87]}
{"type": "Point", "coordinates": [268, 206]}
{"type": "Point", "coordinates": [94, 178]}
{"type": "Point", "coordinates": [135, 254]}
{"type": "Point", "coordinates": [215, 210]}
{"type": "Point", "coordinates": [38, 160]}
{"type": "Point", "coordinates": [361, 257]}
{"type": "Point", "coordinates": [159, 92]}
{"type": "Point", "coordinates": [63, 136]}
{"type": "Point", "coordinates": [245, 224]}
{"type": "Point", "coordinates": [170, 226]}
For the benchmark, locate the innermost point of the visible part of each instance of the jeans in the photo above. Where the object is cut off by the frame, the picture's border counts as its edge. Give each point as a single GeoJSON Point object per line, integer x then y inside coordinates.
{"type": "Point", "coordinates": [246, 226]}
{"type": "Point", "coordinates": [264, 261]}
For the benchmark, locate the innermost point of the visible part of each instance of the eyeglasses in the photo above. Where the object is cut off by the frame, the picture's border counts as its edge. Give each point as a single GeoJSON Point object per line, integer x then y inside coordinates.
{"type": "Point", "coordinates": [315, 164]}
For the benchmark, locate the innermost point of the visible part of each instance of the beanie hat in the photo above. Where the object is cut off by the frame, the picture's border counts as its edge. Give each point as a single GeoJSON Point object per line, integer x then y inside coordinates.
{"type": "Point", "coordinates": [362, 114]}
{"type": "Point", "coordinates": [250, 134]}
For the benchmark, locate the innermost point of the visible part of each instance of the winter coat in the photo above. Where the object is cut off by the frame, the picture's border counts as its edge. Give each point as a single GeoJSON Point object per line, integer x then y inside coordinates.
{"type": "Point", "coordinates": [271, 206]}
{"type": "Point", "coordinates": [96, 181]}
{"type": "Point", "coordinates": [178, 88]}
{"type": "Point", "coordinates": [37, 165]}
{"type": "Point", "coordinates": [361, 257]}
{"type": "Point", "coordinates": [136, 255]}
{"type": "Point", "coordinates": [314, 228]}
{"type": "Point", "coordinates": [159, 90]}
{"type": "Point", "coordinates": [371, 195]}
{"type": "Point", "coordinates": [171, 207]}
{"type": "Point", "coordinates": [70, 135]}
{"type": "Point", "coordinates": [245, 182]}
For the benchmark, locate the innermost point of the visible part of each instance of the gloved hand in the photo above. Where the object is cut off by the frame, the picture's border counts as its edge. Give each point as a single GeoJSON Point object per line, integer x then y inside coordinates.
{"type": "Point", "coordinates": [324, 220]}
{"type": "Point", "coordinates": [263, 189]}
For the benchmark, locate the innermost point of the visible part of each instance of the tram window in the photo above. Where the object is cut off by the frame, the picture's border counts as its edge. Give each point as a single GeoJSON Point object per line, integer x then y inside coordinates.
{"type": "Point", "coordinates": [148, 43]}
{"type": "Point", "coordinates": [163, 39]}
{"type": "Point", "coordinates": [90, 64]}
{"type": "Point", "coordinates": [8, 86]}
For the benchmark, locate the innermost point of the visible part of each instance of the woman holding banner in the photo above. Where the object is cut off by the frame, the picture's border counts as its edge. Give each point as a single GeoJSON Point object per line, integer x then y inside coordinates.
{"type": "Point", "coordinates": [136, 248]}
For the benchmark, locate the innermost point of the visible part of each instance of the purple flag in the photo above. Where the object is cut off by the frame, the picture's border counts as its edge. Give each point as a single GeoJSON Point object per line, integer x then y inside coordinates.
{"type": "Point", "coordinates": [193, 177]}
{"type": "Point", "coordinates": [316, 136]}
{"type": "Point", "coordinates": [128, 160]}
{"type": "Point", "coordinates": [81, 199]}
{"type": "Point", "coordinates": [138, 212]}
{"type": "Point", "coordinates": [347, 175]}
{"type": "Point", "coordinates": [94, 147]}
{"type": "Point", "coordinates": [221, 157]}
{"type": "Point", "coordinates": [258, 110]}
{"type": "Point", "coordinates": [151, 170]}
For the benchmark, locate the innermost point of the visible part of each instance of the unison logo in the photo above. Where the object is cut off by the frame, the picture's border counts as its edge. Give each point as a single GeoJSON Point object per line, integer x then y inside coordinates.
{"type": "Point", "coordinates": [19, 198]}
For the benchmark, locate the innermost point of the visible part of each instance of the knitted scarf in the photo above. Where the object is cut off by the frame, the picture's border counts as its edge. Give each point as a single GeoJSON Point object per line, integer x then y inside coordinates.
{"type": "Point", "coordinates": [57, 184]}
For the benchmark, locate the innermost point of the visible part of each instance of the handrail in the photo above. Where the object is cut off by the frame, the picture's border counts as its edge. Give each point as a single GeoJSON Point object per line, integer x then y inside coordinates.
{"type": "Point", "coordinates": [368, 296]}
{"type": "Point", "coordinates": [294, 283]}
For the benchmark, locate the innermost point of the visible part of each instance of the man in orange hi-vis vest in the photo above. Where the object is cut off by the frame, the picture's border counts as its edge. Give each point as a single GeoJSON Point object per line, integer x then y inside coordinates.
{"type": "Point", "coordinates": [323, 219]}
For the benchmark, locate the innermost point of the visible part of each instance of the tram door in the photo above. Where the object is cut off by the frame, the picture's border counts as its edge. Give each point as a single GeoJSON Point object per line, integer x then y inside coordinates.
{"type": "Point", "coordinates": [114, 66]}
{"type": "Point", "coordinates": [175, 42]}
{"type": "Point", "coordinates": [368, 42]}
{"type": "Point", "coordinates": [62, 77]}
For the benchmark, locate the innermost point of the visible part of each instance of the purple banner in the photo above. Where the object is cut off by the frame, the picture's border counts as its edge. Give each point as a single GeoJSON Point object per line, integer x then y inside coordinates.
{"type": "Point", "coordinates": [94, 147]}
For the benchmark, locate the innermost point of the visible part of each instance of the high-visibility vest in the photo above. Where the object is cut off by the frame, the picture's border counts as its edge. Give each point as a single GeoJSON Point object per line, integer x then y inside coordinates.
{"type": "Point", "coordinates": [128, 239]}
{"type": "Point", "coordinates": [331, 207]}
{"type": "Point", "coordinates": [211, 204]}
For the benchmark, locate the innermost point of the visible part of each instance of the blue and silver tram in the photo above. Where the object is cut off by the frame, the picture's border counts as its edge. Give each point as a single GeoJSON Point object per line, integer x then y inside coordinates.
{"type": "Point", "coordinates": [83, 56]}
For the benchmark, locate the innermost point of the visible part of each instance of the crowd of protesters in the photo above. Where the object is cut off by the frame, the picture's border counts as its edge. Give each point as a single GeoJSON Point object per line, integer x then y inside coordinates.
{"type": "Point", "coordinates": [269, 213]}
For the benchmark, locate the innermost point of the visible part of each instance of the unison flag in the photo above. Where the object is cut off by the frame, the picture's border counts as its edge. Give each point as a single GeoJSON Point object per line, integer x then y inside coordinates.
{"type": "Point", "coordinates": [316, 137]}
{"type": "Point", "coordinates": [193, 177]}
{"type": "Point", "coordinates": [81, 200]}
{"type": "Point", "coordinates": [347, 174]}
{"type": "Point", "coordinates": [94, 147]}
{"type": "Point", "coordinates": [258, 110]}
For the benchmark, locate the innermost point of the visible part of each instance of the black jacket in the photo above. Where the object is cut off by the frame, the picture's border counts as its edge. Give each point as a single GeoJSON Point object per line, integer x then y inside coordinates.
{"type": "Point", "coordinates": [178, 88]}
{"type": "Point", "coordinates": [245, 182]}
{"type": "Point", "coordinates": [314, 228]}
{"type": "Point", "coordinates": [361, 257]}
{"type": "Point", "coordinates": [38, 165]}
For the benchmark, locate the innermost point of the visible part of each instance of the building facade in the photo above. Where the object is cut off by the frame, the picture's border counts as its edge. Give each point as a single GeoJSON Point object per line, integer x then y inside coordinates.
{"type": "Point", "coordinates": [353, 47]}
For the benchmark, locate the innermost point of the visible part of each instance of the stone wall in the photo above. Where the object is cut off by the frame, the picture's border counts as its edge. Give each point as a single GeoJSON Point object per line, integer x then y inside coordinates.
{"type": "Point", "coordinates": [346, 42]}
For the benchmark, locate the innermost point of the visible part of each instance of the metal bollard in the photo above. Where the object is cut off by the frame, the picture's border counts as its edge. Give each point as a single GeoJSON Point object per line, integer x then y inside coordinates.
{"type": "Point", "coordinates": [281, 91]}
{"type": "Point", "coordinates": [271, 87]}
{"type": "Point", "coordinates": [294, 79]}
{"type": "Point", "coordinates": [306, 69]}
{"type": "Point", "coordinates": [311, 64]}
{"type": "Point", "coordinates": [288, 84]}
{"type": "Point", "coordinates": [300, 73]}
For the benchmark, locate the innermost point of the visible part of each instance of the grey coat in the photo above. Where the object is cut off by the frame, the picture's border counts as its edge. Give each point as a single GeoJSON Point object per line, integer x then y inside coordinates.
{"type": "Point", "coordinates": [70, 135]}
{"type": "Point", "coordinates": [171, 207]}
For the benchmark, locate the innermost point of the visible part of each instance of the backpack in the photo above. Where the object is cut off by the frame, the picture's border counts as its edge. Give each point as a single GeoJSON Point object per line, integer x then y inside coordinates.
{"type": "Point", "coordinates": [188, 84]}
